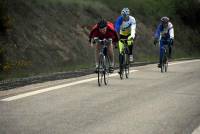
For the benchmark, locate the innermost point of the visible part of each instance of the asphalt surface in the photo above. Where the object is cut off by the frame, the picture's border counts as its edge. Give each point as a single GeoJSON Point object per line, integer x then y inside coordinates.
{"type": "Point", "coordinates": [149, 102]}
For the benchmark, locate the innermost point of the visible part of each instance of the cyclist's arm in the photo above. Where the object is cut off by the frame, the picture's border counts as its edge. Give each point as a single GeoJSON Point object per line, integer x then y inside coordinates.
{"type": "Point", "coordinates": [93, 33]}
{"type": "Point", "coordinates": [133, 27]}
{"type": "Point", "coordinates": [157, 33]}
{"type": "Point", "coordinates": [118, 24]}
{"type": "Point", "coordinates": [116, 37]}
{"type": "Point", "coordinates": [133, 31]}
{"type": "Point", "coordinates": [171, 31]}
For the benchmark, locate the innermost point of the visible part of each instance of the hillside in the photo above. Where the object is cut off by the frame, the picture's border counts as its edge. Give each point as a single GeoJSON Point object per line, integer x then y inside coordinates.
{"type": "Point", "coordinates": [46, 37]}
{"type": "Point", "coordinates": [40, 37]}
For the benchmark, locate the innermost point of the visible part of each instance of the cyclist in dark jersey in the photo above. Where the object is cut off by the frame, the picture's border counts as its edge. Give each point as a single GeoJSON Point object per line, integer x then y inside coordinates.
{"type": "Point", "coordinates": [104, 30]}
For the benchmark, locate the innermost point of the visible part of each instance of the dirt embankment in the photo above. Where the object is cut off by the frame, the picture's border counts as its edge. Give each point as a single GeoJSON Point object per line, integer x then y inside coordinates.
{"type": "Point", "coordinates": [47, 37]}
{"type": "Point", "coordinates": [52, 36]}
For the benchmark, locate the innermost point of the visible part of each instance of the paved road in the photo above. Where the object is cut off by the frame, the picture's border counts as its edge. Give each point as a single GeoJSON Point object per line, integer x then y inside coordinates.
{"type": "Point", "coordinates": [149, 102]}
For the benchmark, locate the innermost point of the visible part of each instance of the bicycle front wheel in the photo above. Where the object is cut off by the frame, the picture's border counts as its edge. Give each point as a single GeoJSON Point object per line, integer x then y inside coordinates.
{"type": "Point", "coordinates": [106, 69]}
{"type": "Point", "coordinates": [100, 71]}
{"type": "Point", "coordinates": [162, 64]}
{"type": "Point", "coordinates": [122, 67]}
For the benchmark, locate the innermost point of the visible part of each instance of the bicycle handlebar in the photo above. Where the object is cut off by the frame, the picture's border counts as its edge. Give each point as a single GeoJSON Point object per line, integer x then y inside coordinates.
{"type": "Point", "coordinates": [103, 41]}
{"type": "Point", "coordinates": [169, 42]}
{"type": "Point", "coordinates": [126, 39]}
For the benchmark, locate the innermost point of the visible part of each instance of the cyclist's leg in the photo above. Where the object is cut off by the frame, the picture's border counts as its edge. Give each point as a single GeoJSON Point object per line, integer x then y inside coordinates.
{"type": "Point", "coordinates": [130, 47]}
{"type": "Point", "coordinates": [97, 55]}
{"type": "Point", "coordinates": [111, 54]}
{"type": "Point", "coordinates": [120, 47]}
{"type": "Point", "coordinates": [161, 52]}
{"type": "Point", "coordinates": [170, 51]}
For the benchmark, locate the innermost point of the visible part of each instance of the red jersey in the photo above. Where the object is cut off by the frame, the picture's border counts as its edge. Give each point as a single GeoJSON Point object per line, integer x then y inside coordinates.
{"type": "Point", "coordinates": [110, 33]}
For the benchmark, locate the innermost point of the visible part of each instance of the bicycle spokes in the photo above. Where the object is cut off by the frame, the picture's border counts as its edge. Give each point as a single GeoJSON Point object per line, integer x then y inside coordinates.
{"type": "Point", "coordinates": [164, 63]}
{"type": "Point", "coordinates": [103, 70]}
{"type": "Point", "coordinates": [100, 71]}
{"type": "Point", "coordinates": [124, 66]}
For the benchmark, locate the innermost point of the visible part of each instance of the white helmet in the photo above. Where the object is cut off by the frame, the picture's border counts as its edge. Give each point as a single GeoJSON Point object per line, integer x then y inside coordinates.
{"type": "Point", "coordinates": [164, 19]}
{"type": "Point", "coordinates": [125, 12]}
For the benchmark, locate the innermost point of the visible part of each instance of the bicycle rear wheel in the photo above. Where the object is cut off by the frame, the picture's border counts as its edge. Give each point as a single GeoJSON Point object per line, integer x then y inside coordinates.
{"type": "Point", "coordinates": [166, 63]}
{"type": "Point", "coordinates": [162, 64]}
{"type": "Point", "coordinates": [127, 65]}
{"type": "Point", "coordinates": [121, 66]}
{"type": "Point", "coordinates": [100, 71]}
{"type": "Point", "coordinates": [121, 72]}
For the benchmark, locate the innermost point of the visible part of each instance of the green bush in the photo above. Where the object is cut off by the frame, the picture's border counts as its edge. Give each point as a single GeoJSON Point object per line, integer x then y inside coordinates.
{"type": "Point", "coordinates": [5, 20]}
{"type": "Point", "coordinates": [2, 14]}
{"type": "Point", "coordinates": [2, 60]}
{"type": "Point", "coordinates": [189, 11]}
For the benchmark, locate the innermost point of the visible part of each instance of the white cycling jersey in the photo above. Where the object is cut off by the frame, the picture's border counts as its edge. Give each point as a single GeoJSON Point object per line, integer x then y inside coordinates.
{"type": "Point", "coordinates": [162, 32]}
{"type": "Point", "coordinates": [126, 27]}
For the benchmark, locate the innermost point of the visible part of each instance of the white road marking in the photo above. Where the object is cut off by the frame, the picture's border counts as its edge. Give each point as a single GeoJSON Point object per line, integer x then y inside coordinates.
{"type": "Point", "coordinates": [20, 96]}
{"type": "Point", "coordinates": [196, 131]}
{"type": "Point", "coordinates": [181, 62]}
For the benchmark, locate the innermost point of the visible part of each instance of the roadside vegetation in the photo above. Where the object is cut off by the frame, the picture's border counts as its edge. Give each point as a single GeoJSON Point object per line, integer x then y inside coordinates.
{"type": "Point", "coordinates": [41, 37]}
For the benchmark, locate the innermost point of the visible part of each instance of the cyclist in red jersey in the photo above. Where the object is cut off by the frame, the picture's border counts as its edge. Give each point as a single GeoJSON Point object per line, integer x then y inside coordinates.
{"type": "Point", "coordinates": [104, 30]}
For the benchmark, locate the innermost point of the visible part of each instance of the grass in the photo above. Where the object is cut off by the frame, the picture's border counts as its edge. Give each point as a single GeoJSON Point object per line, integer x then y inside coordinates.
{"type": "Point", "coordinates": [22, 73]}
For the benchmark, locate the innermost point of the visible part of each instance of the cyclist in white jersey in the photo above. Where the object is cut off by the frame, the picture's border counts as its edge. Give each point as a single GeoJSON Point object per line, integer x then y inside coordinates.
{"type": "Point", "coordinates": [165, 36]}
{"type": "Point", "coordinates": [125, 26]}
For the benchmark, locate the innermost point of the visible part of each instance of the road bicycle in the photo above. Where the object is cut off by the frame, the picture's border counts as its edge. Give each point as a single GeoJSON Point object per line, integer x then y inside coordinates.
{"type": "Point", "coordinates": [104, 61]}
{"type": "Point", "coordinates": [165, 53]}
{"type": "Point", "coordinates": [124, 62]}
{"type": "Point", "coordinates": [164, 58]}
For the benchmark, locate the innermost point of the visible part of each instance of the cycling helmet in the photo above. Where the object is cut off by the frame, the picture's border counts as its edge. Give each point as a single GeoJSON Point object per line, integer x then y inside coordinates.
{"type": "Point", "coordinates": [164, 19]}
{"type": "Point", "coordinates": [102, 23]}
{"type": "Point", "coordinates": [125, 12]}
